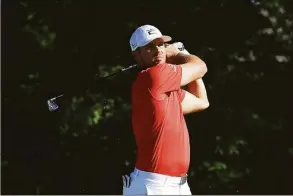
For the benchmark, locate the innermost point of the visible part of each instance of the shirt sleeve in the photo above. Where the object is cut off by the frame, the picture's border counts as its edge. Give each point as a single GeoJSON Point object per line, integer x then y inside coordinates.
{"type": "Point", "coordinates": [181, 93]}
{"type": "Point", "coordinates": [165, 78]}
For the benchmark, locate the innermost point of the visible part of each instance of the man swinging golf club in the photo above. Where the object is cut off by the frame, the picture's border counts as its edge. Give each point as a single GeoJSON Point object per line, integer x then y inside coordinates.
{"type": "Point", "coordinates": [158, 107]}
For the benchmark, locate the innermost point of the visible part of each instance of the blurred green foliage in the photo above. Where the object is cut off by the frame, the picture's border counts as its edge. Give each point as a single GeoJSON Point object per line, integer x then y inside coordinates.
{"type": "Point", "coordinates": [241, 145]}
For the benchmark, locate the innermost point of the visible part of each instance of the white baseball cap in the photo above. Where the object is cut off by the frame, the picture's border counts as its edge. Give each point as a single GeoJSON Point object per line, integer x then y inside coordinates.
{"type": "Point", "coordinates": [143, 35]}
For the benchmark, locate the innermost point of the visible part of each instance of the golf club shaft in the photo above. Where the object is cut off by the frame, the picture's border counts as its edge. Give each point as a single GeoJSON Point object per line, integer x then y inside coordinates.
{"type": "Point", "coordinates": [121, 70]}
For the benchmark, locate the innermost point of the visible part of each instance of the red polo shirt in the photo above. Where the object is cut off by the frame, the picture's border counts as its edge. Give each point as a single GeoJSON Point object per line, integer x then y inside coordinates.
{"type": "Point", "coordinates": [158, 123]}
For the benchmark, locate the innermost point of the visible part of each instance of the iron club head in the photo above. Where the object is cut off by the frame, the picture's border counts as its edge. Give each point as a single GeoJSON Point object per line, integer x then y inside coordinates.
{"type": "Point", "coordinates": [52, 106]}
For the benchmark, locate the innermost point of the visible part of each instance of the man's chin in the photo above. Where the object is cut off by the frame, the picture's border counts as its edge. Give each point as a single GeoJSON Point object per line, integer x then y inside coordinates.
{"type": "Point", "coordinates": [159, 61]}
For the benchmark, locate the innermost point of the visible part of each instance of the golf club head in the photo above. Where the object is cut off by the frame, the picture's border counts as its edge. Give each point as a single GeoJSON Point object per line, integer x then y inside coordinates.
{"type": "Point", "coordinates": [52, 105]}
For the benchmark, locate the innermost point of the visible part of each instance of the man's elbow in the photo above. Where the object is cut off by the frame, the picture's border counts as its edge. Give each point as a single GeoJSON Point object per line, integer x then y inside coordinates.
{"type": "Point", "coordinates": [198, 107]}
{"type": "Point", "coordinates": [202, 69]}
{"type": "Point", "coordinates": [203, 106]}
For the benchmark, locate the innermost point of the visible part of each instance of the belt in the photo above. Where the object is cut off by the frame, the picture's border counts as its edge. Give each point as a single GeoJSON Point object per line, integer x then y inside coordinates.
{"type": "Point", "coordinates": [160, 177]}
{"type": "Point", "coordinates": [183, 180]}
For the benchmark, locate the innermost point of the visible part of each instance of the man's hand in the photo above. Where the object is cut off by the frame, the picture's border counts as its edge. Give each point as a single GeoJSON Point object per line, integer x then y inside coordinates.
{"type": "Point", "coordinates": [193, 67]}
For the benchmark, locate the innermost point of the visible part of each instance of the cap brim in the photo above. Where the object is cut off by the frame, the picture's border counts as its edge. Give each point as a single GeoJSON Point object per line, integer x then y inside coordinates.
{"type": "Point", "coordinates": [166, 38]}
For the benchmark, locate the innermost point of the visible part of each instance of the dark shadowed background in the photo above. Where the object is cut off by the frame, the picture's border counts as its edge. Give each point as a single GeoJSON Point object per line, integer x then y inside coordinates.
{"type": "Point", "coordinates": [243, 143]}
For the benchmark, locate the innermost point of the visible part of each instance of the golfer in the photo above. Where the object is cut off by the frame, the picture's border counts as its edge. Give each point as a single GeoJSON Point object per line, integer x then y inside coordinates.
{"type": "Point", "coordinates": [158, 107]}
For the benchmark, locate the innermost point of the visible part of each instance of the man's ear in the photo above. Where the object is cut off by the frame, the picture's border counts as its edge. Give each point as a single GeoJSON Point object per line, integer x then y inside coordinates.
{"type": "Point", "coordinates": [137, 58]}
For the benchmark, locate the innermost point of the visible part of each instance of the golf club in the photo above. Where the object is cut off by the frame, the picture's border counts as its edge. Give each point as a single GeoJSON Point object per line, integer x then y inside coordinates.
{"type": "Point", "coordinates": [53, 106]}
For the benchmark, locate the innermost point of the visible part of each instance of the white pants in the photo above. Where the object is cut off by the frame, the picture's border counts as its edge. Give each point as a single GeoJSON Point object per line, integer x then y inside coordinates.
{"type": "Point", "coordinates": [146, 183]}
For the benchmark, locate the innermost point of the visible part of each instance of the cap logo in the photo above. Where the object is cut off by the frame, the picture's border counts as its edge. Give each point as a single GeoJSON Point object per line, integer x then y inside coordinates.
{"type": "Point", "coordinates": [151, 31]}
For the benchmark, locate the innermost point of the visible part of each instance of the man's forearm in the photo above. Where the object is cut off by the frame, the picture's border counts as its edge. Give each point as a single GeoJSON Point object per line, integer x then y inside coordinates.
{"type": "Point", "coordinates": [198, 89]}
{"type": "Point", "coordinates": [181, 58]}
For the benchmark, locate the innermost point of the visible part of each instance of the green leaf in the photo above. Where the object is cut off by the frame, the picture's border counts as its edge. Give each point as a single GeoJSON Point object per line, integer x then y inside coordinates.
{"type": "Point", "coordinates": [31, 16]}
{"type": "Point", "coordinates": [233, 150]}
{"type": "Point", "coordinates": [220, 165]}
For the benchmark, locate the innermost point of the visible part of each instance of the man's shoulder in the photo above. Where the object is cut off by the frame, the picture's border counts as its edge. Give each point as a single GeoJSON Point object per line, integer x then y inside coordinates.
{"type": "Point", "coordinates": [157, 71]}
{"type": "Point", "coordinates": [158, 68]}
